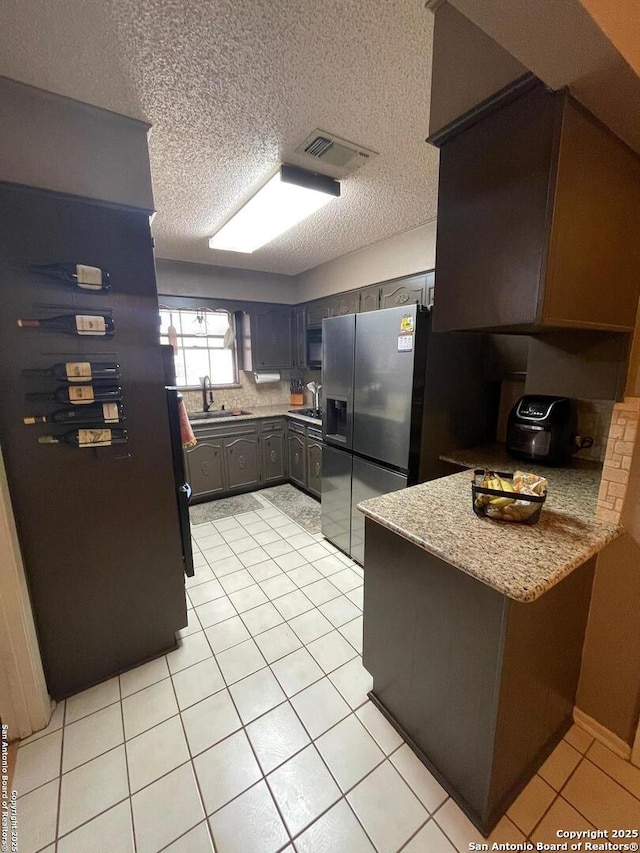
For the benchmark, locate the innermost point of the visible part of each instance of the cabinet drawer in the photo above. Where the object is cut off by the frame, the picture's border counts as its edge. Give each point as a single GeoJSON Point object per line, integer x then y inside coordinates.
{"type": "Point", "coordinates": [314, 433]}
{"type": "Point", "coordinates": [228, 428]}
{"type": "Point", "coordinates": [272, 426]}
{"type": "Point", "coordinates": [296, 426]}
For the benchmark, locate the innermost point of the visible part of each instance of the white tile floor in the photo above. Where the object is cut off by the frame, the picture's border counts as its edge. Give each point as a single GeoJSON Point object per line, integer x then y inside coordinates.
{"type": "Point", "coordinates": [256, 735]}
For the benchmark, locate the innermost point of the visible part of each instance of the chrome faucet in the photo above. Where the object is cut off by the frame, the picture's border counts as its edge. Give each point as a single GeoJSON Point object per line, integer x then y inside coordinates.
{"type": "Point", "coordinates": [206, 385]}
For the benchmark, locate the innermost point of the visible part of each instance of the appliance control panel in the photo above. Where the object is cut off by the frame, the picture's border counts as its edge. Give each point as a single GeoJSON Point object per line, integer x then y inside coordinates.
{"type": "Point", "coordinates": [534, 408]}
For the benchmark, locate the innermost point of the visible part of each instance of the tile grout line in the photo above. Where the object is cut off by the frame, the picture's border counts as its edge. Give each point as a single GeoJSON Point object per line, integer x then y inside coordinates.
{"type": "Point", "coordinates": [251, 747]}
{"type": "Point", "coordinates": [352, 711]}
{"type": "Point", "coordinates": [58, 810]}
{"type": "Point", "coordinates": [312, 742]}
{"type": "Point", "coordinates": [190, 761]}
{"type": "Point", "coordinates": [170, 675]}
{"type": "Point", "coordinates": [286, 700]}
{"type": "Point", "coordinates": [126, 761]}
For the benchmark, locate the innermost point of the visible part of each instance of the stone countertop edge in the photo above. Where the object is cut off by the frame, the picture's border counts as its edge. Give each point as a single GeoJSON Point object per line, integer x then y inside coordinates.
{"type": "Point", "coordinates": [520, 561]}
{"type": "Point", "coordinates": [495, 457]}
{"type": "Point", "coordinates": [257, 413]}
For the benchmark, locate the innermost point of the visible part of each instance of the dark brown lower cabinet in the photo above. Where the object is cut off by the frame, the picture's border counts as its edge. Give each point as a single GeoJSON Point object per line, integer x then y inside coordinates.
{"type": "Point", "coordinates": [236, 457]}
{"type": "Point", "coordinates": [241, 458]}
{"type": "Point", "coordinates": [481, 686]}
{"type": "Point", "coordinates": [205, 467]}
{"type": "Point", "coordinates": [314, 466]}
{"type": "Point", "coordinates": [296, 452]}
{"type": "Point", "coordinates": [273, 457]}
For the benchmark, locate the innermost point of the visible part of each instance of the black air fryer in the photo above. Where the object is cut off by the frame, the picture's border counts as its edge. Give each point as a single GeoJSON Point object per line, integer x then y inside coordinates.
{"type": "Point", "coordinates": [542, 429]}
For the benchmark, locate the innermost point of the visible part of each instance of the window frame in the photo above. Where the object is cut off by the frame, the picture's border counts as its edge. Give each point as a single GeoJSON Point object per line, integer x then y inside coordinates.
{"type": "Point", "coordinates": [193, 309]}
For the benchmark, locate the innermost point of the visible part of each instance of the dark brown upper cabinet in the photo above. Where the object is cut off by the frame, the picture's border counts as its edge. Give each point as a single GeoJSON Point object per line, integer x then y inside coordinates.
{"type": "Point", "coordinates": [267, 338]}
{"type": "Point", "coordinates": [538, 221]}
{"type": "Point", "coordinates": [403, 291]}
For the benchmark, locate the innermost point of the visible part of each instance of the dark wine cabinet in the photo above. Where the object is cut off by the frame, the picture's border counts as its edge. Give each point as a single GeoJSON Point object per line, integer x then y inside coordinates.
{"type": "Point", "coordinates": [98, 527]}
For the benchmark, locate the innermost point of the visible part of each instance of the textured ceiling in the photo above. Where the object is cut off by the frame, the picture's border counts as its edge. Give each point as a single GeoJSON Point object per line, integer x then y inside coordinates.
{"type": "Point", "coordinates": [230, 86]}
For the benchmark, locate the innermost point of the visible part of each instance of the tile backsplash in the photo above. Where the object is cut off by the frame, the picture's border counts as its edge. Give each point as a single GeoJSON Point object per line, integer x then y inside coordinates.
{"type": "Point", "coordinates": [622, 437]}
{"type": "Point", "coordinates": [247, 396]}
{"type": "Point", "coordinates": [594, 418]}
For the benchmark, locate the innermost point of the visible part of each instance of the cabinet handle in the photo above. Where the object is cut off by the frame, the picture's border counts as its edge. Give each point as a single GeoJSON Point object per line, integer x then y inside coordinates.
{"type": "Point", "coordinates": [317, 469]}
{"type": "Point", "coordinates": [273, 455]}
{"type": "Point", "coordinates": [296, 457]}
{"type": "Point", "coordinates": [401, 298]}
{"type": "Point", "coordinates": [242, 462]}
{"type": "Point", "coordinates": [205, 469]}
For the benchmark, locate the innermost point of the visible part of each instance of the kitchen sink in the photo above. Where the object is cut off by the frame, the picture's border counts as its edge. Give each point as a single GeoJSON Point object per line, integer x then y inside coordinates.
{"type": "Point", "coordinates": [209, 416]}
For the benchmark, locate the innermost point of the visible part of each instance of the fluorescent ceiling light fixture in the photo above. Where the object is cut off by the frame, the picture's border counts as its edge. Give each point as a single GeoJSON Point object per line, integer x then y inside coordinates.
{"type": "Point", "coordinates": [287, 198]}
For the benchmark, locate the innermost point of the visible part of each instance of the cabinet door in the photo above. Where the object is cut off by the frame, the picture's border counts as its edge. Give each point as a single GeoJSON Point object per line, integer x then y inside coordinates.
{"type": "Point", "coordinates": [241, 457]}
{"type": "Point", "coordinates": [296, 448]}
{"type": "Point", "coordinates": [404, 291]}
{"type": "Point", "coordinates": [271, 339]}
{"type": "Point", "coordinates": [273, 458]}
{"type": "Point", "coordinates": [314, 467]}
{"type": "Point", "coordinates": [369, 299]}
{"type": "Point", "coordinates": [317, 312]}
{"type": "Point", "coordinates": [345, 303]}
{"type": "Point", "coordinates": [205, 471]}
{"type": "Point", "coordinates": [430, 289]}
{"type": "Point", "coordinates": [299, 336]}
{"type": "Point", "coordinates": [493, 195]}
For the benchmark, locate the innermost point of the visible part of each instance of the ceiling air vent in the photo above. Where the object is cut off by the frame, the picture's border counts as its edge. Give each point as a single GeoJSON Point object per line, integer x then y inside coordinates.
{"type": "Point", "coordinates": [324, 152]}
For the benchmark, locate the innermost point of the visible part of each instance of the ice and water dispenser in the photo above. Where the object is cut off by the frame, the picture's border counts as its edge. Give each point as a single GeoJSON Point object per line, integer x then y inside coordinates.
{"type": "Point", "coordinates": [337, 426]}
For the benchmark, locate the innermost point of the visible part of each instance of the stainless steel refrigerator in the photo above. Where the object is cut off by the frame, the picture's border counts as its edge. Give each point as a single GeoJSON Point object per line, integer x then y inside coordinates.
{"type": "Point", "coordinates": [396, 395]}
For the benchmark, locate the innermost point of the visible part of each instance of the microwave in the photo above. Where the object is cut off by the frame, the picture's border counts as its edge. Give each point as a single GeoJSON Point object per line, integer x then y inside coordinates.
{"type": "Point", "coordinates": [314, 348]}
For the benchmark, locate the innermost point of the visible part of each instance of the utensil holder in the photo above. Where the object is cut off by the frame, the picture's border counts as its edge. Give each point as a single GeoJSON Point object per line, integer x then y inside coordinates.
{"type": "Point", "coordinates": [296, 399]}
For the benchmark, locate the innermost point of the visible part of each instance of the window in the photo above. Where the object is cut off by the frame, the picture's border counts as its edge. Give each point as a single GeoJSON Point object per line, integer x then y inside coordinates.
{"type": "Point", "coordinates": [200, 335]}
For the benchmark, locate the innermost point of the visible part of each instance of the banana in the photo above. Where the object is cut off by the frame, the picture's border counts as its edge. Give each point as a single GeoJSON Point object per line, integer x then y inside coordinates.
{"type": "Point", "coordinates": [500, 503]}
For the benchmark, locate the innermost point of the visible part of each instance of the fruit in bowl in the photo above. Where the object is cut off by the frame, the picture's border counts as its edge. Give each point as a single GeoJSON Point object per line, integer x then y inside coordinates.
{"type": "Point", "coordinates": [509, 499]}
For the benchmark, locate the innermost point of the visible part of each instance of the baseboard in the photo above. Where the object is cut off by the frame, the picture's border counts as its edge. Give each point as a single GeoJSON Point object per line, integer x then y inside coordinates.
{"type": "Point", "coordinates": [602, 734]}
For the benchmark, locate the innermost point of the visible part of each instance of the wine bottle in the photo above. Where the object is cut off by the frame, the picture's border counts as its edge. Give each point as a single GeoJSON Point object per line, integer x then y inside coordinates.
{"type": "Point", "coordinates": [74, 324]}
{"type": "Point", "coordinates": [108, 413]}
{"type": "Point", "coordinates": [81, 395]}
{"type": "Point", "coordinates": [80, 275]}
{"type": "Point", "coordinates": [87, 437]}
{"type": "Point", "coordinates": [78, 371]}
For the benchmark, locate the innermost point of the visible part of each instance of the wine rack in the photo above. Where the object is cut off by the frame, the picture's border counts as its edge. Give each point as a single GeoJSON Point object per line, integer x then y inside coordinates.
{"type": "Point", "coordinates": [77, 387]}
{"type": "Point", "coordinates": [81, 400]}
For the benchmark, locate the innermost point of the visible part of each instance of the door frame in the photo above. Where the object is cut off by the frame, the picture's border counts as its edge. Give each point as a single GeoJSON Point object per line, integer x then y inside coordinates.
{"type": "Point", "coordinates": [635, 749]}
{"type": "Point", "coordinates": [25, 706]}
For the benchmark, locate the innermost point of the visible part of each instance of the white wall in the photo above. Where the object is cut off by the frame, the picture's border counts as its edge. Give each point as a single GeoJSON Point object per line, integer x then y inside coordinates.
{"type": "Point", "coordinates": [59, 144]}
{"type": "Point", "coordinates": [403, 254]}
{"type": "Point", "coordinates": [178, 278]}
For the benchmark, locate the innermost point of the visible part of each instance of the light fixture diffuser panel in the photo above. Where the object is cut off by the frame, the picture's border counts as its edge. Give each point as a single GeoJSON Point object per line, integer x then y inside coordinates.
{"type": "Point", "coordinates": [275, 208]}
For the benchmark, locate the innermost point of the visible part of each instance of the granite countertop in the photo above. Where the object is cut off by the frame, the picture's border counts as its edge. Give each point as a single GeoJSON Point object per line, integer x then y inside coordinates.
{"type": "Point", "coordinates": [495, 457]}
{"type": "Point", "coordinates": [520, 561]}
{"type": "Point", "coordinates": [257, 412]}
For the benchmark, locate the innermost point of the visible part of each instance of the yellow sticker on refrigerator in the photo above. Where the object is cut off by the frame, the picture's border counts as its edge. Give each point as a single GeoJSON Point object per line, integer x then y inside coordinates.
{"type": "Point", "coordinates": [406, 324]}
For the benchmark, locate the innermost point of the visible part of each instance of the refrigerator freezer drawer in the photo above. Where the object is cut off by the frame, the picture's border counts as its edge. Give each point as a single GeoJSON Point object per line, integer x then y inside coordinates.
{"type": "Point", "coordinates": [336, 497]}
{"type": "Point", "coordinates": [369, 481]}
